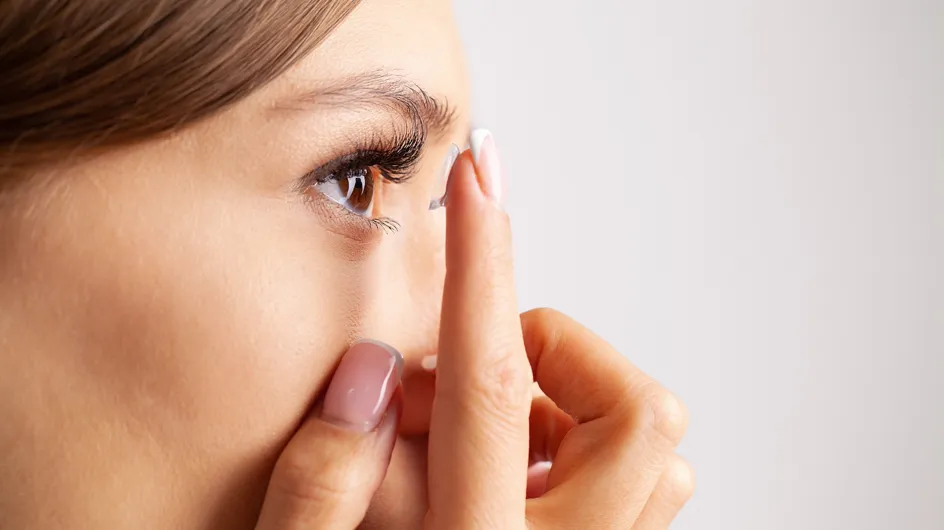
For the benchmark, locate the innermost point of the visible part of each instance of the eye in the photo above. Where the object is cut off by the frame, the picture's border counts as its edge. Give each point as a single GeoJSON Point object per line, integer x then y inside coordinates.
{"type": "Point", "coordinates": [352, 188]}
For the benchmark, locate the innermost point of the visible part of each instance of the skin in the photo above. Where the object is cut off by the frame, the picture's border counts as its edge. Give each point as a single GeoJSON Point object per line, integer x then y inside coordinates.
{"type": "Point", "coordinates": [612, 447]}
{"type": "Point", "coordinates": [170, 311]}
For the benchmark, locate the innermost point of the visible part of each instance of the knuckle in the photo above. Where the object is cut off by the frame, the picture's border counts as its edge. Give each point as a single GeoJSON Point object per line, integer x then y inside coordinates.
{"type": "Point", "coordinates": [545, 315]}
{"type": "Point", "coordinates": [505, 383]}
{"type": "Point", "coordinates": [669, 415]}
{"type": "Point", "coordinates": [497, 389]}
{"type": "Point", "coordinates": [657, 411]}
{"type": "Point", "coordinates": [680, 479]}
{"type": "Point", "coordinates": [544, 323]}
{"type": "Point", "coordinates": [296, 481]}
{"type": "Point", "coordinates": [544, 330]}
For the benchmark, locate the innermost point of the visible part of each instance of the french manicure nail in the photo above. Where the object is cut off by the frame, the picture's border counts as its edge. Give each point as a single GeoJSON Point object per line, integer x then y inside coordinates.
{"type": "Point", "coordinates": [363, 385]}
{"type": "Point", "coordinates": [487, 168]}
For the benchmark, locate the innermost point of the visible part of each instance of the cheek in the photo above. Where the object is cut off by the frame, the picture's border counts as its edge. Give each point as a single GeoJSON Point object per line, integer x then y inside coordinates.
{"type": "Point", "coordinates": [207, 332]}
{"type": "Point", "coordinates": [239, 324]}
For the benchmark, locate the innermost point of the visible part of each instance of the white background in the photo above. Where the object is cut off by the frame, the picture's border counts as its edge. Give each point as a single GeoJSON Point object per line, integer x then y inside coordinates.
{"type": "Point", "coordinates": [744, 197]}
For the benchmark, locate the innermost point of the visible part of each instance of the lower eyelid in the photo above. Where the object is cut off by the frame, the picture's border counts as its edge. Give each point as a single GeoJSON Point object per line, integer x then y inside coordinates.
{"type": "Point", "coordinates": [342, 221]}
{"type": "Point", "coordinates": [338, 220]}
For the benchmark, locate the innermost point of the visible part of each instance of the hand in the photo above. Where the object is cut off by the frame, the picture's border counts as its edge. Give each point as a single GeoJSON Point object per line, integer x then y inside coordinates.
{"type": "Point", "coordinates": [609, 429]}
{"type": "Point", "coordinates": [329, 471]}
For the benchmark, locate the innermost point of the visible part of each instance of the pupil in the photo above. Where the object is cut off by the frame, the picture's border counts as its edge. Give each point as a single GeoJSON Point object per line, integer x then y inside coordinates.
{"type": "Point", "coordinates": [359, 189]}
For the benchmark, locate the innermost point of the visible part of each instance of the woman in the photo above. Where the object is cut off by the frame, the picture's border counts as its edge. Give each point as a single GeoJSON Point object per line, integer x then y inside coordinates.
{"type": "Point", "coordinates": [207, 207]}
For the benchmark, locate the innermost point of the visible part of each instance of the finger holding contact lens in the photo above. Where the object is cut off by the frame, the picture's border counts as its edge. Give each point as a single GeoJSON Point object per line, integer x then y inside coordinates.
{"type": "Point", "coordinates": [442, 185]}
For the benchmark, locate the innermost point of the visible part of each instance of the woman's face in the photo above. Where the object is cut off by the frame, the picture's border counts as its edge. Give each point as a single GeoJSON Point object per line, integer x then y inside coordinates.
{"type": "Point", "coordinates": [171, 310]}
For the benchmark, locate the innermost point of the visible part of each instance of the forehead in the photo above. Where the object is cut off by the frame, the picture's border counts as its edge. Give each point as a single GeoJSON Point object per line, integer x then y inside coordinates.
{"type": "Point", "coordinates": [414, 39]}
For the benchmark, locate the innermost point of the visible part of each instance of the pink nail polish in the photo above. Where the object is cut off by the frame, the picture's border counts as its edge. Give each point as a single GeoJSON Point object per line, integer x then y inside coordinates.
{"type": "Point", "coordinates": [363, 385]}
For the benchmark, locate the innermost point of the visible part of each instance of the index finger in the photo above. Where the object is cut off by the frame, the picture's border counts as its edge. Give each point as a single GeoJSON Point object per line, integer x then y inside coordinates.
{"type": "Point", "coordinates": [479, 426]}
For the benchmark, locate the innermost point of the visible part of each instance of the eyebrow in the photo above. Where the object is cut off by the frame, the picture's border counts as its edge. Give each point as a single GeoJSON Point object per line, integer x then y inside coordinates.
{"type": "Point", "coordinates": [389, 91]}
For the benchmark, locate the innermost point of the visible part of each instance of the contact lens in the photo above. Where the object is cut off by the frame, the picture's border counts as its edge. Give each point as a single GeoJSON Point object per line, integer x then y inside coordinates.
{"type": "Point", "coordinates": [442, 185]}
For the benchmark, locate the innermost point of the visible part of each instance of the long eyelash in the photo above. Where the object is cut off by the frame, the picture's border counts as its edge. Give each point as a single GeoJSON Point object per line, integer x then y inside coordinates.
{"type": "Point", "coordinates": [396, 156]}
{"type": "Point", "coordinates": [386, 224]}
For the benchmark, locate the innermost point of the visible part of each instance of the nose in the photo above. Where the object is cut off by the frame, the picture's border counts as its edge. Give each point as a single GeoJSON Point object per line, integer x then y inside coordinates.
{"type": "Point", "coordinates": [403, 310]}
{"type": "Point", "coordinates": [406, 277]}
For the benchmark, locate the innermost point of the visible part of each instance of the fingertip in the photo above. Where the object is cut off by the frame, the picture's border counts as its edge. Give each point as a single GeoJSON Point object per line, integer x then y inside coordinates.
{"type": "Point", "coordinates": [362, 386]}
{"type": "Point", "coordinates": [429, 362]}
{"type": "Point", "coordinates": [330, 470]}
{"type": "Point", "coordinates": [393, 352]}
{"type": "Point", "coordinates": [480, 161]}
{"type": "Point", "coordinates": [477, 140]}
{"type": "Point", "coordinates": [463, 185]}
{"type": "Point", "coordinates": [679, 474]}
{"type": "Point", "coordinates": [469, 218]}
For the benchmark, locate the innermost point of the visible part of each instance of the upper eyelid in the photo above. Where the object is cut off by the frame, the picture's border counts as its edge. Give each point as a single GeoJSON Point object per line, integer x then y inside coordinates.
{"type": "Point", "coordinates": [398, 156]}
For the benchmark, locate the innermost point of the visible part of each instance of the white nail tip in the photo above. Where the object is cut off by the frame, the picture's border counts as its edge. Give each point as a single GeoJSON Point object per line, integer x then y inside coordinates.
{"type": "Point", "coordinates": [476, 140]}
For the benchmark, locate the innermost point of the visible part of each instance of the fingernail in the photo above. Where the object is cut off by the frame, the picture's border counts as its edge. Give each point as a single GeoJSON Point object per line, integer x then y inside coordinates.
{"type": "Point", "coordinates": [487, 167]}
{"type": "Point", "coordinates": [429, 363]}
{"type": "Point", "coordinates": [363, 385]}
{"type": "Point", "coordinates": [439, 199]}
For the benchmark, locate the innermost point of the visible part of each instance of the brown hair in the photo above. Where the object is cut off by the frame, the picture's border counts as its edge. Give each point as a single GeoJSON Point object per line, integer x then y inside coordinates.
{"type": "Point", "coordinates": [77, 75]}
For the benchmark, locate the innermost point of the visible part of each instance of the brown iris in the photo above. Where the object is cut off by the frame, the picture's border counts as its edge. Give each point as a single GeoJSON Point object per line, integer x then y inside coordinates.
{"type": "Point", "coordinates": [354, 190]}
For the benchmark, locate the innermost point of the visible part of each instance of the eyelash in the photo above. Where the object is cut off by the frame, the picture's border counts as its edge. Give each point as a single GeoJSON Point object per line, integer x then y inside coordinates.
{"type": "Point", "coordinates": [394, 159]}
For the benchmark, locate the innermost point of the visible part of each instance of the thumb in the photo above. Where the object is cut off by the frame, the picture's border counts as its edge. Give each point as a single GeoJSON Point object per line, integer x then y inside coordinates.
{"type": "Point", "coordinates": [329, 471]}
